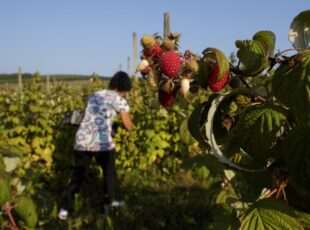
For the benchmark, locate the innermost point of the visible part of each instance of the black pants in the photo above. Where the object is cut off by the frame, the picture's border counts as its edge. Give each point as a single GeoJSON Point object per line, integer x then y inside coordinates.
{"type": "Point", "coordinates": [106, 160]}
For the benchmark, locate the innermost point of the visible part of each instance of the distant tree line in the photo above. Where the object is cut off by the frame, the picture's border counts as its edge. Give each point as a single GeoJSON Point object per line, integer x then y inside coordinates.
{"type": "Point", "coordinates": [13, 77]}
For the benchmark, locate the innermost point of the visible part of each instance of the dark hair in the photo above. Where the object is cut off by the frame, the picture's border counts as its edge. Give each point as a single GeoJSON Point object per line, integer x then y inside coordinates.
{"type": "Point", "coordinates": [120, 81]}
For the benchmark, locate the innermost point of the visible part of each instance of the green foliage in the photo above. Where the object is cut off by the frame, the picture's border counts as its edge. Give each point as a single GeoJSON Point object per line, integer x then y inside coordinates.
{"type": "Point", "coordinates": [270, 214]}
{"type": "Point", "coordinates": [268, 39]}
{"type": "Point", "coordinates": [5, 191]}
{"type": "Point", "coordinates": [299, 34]}
{"type": "Point", "coordinates": [32, 135]}
{"type": "Point", "coordinates": [258, 129]}
{"type": "Point", "coordinates": [291, 84]}
{"type": "Point", "coordinates": [253, 57]}
{"type": "Point", "coordinates": [296, 149]}
{"type": "Point", "coordinates": [155, 141]}
{"type": "Point", "coordinates": [182, 201]}
{"type": "Point", "coordinates": [27, 211]}
{"type": "Point", "coordinates": [271, 125]}
{"type": "Point", "coordinates": [303, 218]}
{"type": "Point", "coordinates": [268, 126]}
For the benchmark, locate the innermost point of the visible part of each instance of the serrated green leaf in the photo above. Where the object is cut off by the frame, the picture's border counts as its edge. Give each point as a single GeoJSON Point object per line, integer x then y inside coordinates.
{"type": "Point", "coordinates": [291, 85]}
{"type": "Point", "coordinates": [270, 214]}
{"type": "Point", "coordinates": [257, 129]}
{"type": "Point", "coordinates": [5, 191]}
{"type": "Point", "coordinates": [299, 33]}
{"type": "Point", "coordinates": [296, 149]}
{"type": "Point", "coordinates": [268, 39]}
{"type": "Point", "coordinates": [252, 56]}
{"type": "Point", "coordinates": [26, 209]}
{"type": "Point", "coordinates": [304, 218]}
{"type": "Point", "coordinates": [210, 129]}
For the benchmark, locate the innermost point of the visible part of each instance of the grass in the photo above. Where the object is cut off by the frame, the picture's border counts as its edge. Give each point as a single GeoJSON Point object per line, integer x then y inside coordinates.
{"type": "Point", "coordinates": [153, 201]}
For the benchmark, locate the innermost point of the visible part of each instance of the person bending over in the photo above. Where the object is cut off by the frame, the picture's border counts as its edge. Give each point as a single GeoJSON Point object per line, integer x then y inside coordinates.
{"type": "Point", "coordinates": [94, 139]}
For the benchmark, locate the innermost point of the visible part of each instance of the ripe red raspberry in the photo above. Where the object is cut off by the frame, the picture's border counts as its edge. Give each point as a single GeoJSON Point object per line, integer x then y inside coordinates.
{"type": "Point", "coordinates": [170, 63]}
{"type": "Point", "coordinates": [166, 99]}
{"type": "Point", "coordinates": [214, 84]}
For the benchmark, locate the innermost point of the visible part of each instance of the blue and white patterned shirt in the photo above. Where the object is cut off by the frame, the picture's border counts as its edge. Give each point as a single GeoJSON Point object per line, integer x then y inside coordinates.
{"type": "Point", "coordinates": [94, 133]}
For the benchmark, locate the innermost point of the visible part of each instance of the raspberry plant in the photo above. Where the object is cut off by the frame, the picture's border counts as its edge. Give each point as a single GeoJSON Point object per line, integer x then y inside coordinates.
{"type": "Point", "coordinates": [36, 154]}
{"type": "Point", "coordinates": [255, 120]}
{"type": "Point", "coordinates": [250, 119]}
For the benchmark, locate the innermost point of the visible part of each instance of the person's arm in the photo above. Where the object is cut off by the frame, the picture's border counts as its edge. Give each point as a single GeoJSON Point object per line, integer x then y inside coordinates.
{"type": "Point", "coordinates": [126, 120]}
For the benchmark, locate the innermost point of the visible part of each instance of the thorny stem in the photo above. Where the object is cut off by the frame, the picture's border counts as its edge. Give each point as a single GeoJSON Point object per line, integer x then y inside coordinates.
{"type": "Point", "coordinates": [9, 214]}
{"type": "Point", "coordinates": [284, 51]}
{"type": "Point", "coordinates": [245, 82]}
{"type": "Point", "coordinates": [250, 87]}
{"type": "Point", "coordinates": [237, 72]}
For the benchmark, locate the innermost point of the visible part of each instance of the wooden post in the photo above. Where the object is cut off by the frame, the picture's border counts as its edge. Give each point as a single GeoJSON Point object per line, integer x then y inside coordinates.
{"type": "Point", "coordinates": [166, 24]}
{"type": "Point", "coordinates": [48, 86]}
{"type": "Point", "coordinates": [135, 53]}
{"type": "Point", "coordinates": [128, 65]}
{"type": "Point", "coordinates": [20, 79]}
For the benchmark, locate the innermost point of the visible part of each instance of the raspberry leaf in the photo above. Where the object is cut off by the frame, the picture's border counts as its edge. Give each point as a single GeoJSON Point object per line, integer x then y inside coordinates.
{"type": "Point", "coordinates": [299, 33]}
{"type": "Point", "coordinates": [268, 39]}
{"type": "Point", "coordinates": [26, 209]}
{"type": "Point", "coordinates": [296, 150]}
{"type": "Point", "coordinates": [210, 133]}
{"type": "Point", "coordinates": [257, 130]}
{"type": "Point", "coordinates": [291, 85]}
{"type": "Point", "coordinates": [270, 214]}
{"type": "Point", "coordinates": [253, 57]}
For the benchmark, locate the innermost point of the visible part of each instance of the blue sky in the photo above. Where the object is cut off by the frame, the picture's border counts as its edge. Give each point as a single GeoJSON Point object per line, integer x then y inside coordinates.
{"type": "Point", "coordinates": [87, 36]}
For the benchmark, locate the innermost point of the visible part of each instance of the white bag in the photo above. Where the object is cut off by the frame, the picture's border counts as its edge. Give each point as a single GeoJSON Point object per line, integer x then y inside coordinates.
{"type": "Point", "coordinates": [73, 118]}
